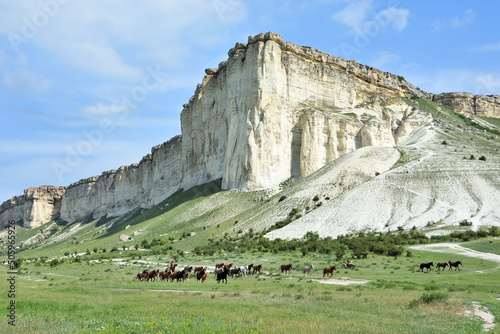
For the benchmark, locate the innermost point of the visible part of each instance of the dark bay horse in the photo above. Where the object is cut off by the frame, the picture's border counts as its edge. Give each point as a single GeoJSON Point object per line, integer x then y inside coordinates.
{"type": "Point", "coordinates": [257, 269]}
{"type": "Point", "coordinates": [455, 264]}
{"type": "Point", "coordinates": [286, 268]}
{"type": "Point", "coordinates": [426, 265]}
{"type": "Point", "coordinates": [441, 265]}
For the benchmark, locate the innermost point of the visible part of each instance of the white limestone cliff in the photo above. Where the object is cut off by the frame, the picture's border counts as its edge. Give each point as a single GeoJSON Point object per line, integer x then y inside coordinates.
{"type": "Point", "coordinates": [36, 207]}
{"type": "Point", "coordinates": [272, 111]}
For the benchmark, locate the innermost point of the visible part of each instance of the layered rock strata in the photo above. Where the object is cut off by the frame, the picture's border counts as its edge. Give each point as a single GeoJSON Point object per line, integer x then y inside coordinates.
{"type": "Point", "coordinates": [467, 103]}
{"type": "Point", "coordinates": [272, 111]}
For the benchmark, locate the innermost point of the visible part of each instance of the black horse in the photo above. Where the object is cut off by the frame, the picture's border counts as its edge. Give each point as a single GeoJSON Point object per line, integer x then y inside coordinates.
{"type": "Point", "coordinates": [222, 275]}
{"type": "Point", "coordinates": [426, 265]}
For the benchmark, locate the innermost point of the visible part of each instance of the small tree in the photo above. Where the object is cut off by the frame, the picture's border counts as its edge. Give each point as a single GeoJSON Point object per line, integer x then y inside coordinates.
{"type": "Point", "coordinates": [340, 250]}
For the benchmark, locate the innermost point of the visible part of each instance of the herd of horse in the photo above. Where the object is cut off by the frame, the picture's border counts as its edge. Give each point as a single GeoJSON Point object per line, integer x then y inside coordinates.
{"type": "Point", "coordinates": [221, 272]}
{"type": "Point", "coordinates": [441, 265]}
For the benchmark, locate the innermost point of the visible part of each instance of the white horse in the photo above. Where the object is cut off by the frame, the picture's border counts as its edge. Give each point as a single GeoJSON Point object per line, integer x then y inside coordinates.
{"type": "Point", "coordinates": [308, 269]}
{"type": "Point", "coordinates": [244, 270]}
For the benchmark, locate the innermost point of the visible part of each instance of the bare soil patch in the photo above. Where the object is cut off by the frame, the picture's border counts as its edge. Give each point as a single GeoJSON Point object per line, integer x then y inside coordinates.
{"type": "Point", "coordinates": [341, 281]}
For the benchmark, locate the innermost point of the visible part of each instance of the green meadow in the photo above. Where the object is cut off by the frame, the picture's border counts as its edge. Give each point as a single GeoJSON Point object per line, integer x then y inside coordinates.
{"type": "Point", "coordinates": [392, 295]}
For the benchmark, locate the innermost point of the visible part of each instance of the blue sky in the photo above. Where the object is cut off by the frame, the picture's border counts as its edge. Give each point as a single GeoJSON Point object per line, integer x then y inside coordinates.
{"type": "Point", "coordinates": [89, 86]}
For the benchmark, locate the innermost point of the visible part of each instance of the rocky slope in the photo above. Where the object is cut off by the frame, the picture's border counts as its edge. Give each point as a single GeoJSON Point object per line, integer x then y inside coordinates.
{"type": "Point", "coordinates": [271, 112]}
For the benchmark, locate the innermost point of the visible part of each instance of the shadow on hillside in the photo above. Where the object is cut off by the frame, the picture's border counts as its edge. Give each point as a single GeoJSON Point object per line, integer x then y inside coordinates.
{"type": "Point", "coordinates": [140, 215]}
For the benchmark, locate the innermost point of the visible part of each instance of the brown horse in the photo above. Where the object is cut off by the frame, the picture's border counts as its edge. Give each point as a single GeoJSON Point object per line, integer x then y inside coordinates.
{"type": "Point", "coordinates": [151, 275]}
{"type": "Point", "coordinates": [455, 264]}
{"type": "Point", "coordinates": [197, 269]}
{"type": "Point", "coordinates": [219, 265]}
{"type": "Point", "coordinates": [441, 265]}
{"type": "Point", "coordinates": [165, 275]}
{"type": "Point", "coordinates": [178, 275]}
{"type": "Point", "coordinates": [235, 271]}
{"type": "Point", "coordinates": [285, 268]}
{"type": "Point", "coordinates": [249, 267]}
{"type": "Point", "coordinates": [201, 275]}
{"type": "Point", "coordinates": [329, 271]}
{"type": "Point", "coordinates": [257, 269]}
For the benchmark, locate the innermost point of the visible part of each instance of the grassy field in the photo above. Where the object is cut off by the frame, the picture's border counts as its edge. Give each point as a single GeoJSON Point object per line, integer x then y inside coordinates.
{"type": "Point", "coordinates": [103, 297]}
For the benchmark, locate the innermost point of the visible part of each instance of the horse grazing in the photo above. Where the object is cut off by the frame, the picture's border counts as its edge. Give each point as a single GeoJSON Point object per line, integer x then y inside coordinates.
{"type": "Point", "coordinates": [455, 264]}
{"type": "Point", "coordinates": [286, 268]}
{"type": "Point", "coordinates": [308, 270]}
{"type": "Point", "coordinates": [222, 276]}
{"type": "Point", "coordinates": [257, 269]}
{"type": "Point", "coordinates": [426, 265]}
{"type": "Point", "coordinates": [441, 265]}
{"type": "Point", "coordinates": [201, 275]}
{"type": "Point", "coordinates": [329, 271]}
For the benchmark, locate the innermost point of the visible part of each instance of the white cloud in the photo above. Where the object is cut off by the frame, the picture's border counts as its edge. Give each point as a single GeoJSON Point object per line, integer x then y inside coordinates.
{"type": "Point", "coordinates": [468, 18]}
{"type": "Point", "coordinates": [361, 18]}
{"type": "Point", "coordinates": [355, 14]}
{"type": "Point", "coordinates": [25, 81]}
{"type": "Point", "coordinates": [101, 108]}
{"type": "Point", "coordinates": [490, 47]}
{"type": "Point", "coordinates": [395, 17]}
{"type": "Point", "coordinates": [455, 22]}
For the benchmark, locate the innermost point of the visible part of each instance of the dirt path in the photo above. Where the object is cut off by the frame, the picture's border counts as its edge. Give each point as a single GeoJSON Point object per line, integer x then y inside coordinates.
{"type": "Point", "coordinates": [477, 309]}
{"type": "Point", "coordinates": [459, 250]}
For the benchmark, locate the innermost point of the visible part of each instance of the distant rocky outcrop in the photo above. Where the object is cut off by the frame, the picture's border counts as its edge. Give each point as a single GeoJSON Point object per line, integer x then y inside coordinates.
{"type": "Point", "coordinates": [36, 207]}
{"type": "Point", "coordinates": [467, 103]}
{"type": "Point", "coordinates": [272, 111]}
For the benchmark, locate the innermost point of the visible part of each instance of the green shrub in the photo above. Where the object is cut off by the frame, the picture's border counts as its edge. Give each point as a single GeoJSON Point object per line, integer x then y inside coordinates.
{"type": "Point", "coordinates": [429, 298]}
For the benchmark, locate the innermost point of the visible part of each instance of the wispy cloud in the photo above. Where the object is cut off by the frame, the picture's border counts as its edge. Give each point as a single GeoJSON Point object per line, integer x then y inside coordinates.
{"type": "Point", "coordinates": [489, 47]}
{"type": "Point", "coordinates": [455, 80]}
{"type": "Point", "coordinates": [455, 21]}
{"type": "Point", "coordinates": [355, 14]}
{"type": "Point", "coordinates": [361, 16]}
{"type": "Point", "coordinates": [25, 81]}
{"type": "Point", "coordinates": [383, 58]}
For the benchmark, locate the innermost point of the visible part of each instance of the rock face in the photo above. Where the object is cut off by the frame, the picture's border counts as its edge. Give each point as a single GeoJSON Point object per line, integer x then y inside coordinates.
{"type": "Point", "coordinates": [36, 207]}
{"type": "Point", "coordinates": [272, 111]}
{"type": "Point", "coordinates": [467, 103]}
{"type": "Point", "coordinates": [113, 193]}
{"type": "Point", "coordinates": [275, 110]}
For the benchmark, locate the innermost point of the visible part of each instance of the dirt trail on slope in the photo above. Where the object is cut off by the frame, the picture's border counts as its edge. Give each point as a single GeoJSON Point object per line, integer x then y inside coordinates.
{"type": "Point", "coordinates": [477, 309]}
